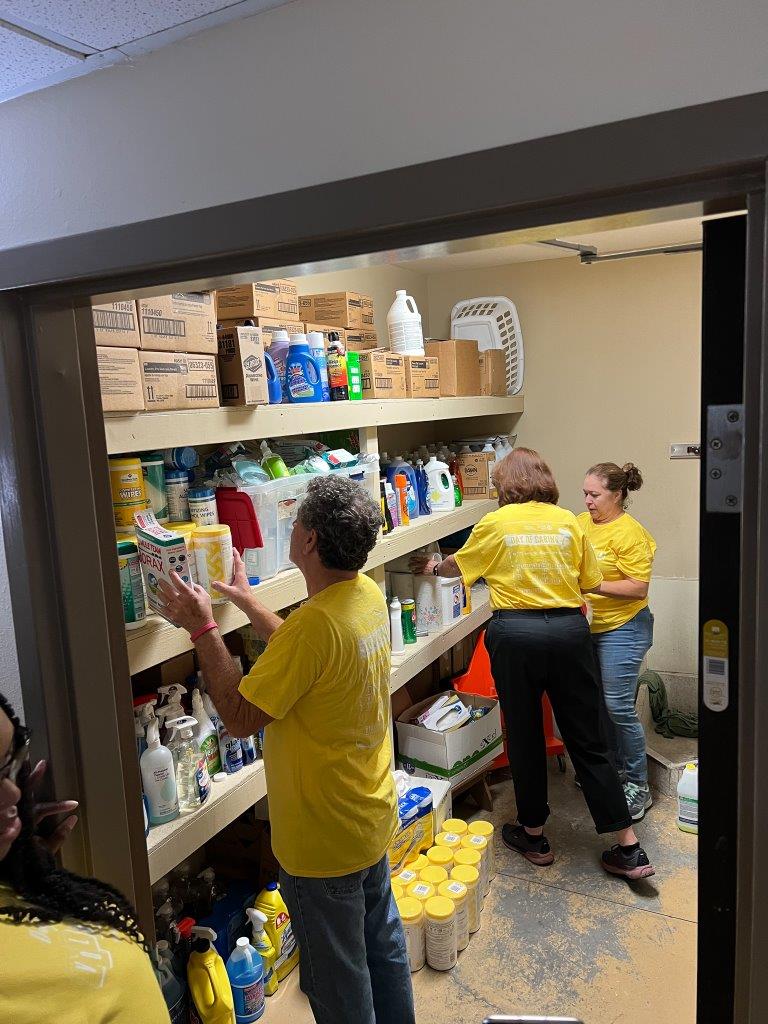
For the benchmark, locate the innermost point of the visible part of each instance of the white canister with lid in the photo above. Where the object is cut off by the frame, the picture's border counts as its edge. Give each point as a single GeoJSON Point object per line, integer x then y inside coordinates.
{"type": "Point", "coordinates": [177, 490]}
{"type": "Point", "coordinates": [214, 561]}
{"type": "Point", "coordinates": [440, 933]}
{"type": "Point", "coordinates": [202, 506]}
{"type": "Point", "coordinates": [412, 916]}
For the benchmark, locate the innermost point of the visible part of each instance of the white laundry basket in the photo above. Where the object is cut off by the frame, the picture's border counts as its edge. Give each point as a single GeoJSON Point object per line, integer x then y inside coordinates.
{"type": "Point", "coordinates": [493, 322]}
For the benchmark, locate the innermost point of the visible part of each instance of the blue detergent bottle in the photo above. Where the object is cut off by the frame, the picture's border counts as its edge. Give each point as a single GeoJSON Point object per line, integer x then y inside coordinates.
{"type": "Point", "coordinates": [399, 465]}
{"type": "Point", "coordinates": [302, 374]}
{"type": "Point", "coordinates": [245, 970]}
{"type": "Point", "coordinates": [274, 384]}
{"type": "Point", "coordinates": [316, 344]}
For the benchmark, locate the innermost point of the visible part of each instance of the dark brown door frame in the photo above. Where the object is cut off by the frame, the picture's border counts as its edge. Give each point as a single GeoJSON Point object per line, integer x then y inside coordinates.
{"type": "Point", "coordinates": [712, 154]}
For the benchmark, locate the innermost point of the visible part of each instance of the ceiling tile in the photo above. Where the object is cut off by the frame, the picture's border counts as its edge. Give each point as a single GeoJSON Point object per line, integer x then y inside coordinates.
{"type": "Point", "coordinates": [23, 60]}
{"type": "Point", "coordinates": [102, 24]}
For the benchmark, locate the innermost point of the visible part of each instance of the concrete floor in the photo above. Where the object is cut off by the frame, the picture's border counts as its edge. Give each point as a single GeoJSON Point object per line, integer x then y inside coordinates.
{"type": "Point", "coordinates": [568, 939]}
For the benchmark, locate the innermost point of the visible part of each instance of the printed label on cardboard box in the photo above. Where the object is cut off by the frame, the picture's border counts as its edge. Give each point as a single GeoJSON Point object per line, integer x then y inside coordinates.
{"type": "Point", "coordinates": [120, 379]}
{"type": "Point", "coordinates": [181, 322]}
{"type": "Point", "coordinates": [116, 324]}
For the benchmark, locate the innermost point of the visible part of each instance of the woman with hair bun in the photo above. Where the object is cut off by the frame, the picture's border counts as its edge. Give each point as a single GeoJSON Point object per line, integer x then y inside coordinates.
{"type": "Point", "coordinates": [622, 624]}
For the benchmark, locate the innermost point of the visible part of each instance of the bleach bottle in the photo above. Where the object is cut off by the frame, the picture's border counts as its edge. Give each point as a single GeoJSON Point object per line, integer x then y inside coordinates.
{"type": "Point", "coordinates": [302, 374]}
{"type": "Point", "coordinates": [246, 976]}
{"type": "Point", "coordinates": [688, 799]}
{"type": "Point", "coordinates": [317, 351]}
{"type": "Point", "coordinates": [212, 1001]}
{"type": "Point", "coordinates": [278, 928]}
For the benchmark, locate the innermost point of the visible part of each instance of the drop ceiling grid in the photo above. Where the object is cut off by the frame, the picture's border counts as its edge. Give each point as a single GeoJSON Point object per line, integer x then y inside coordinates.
{"type": "Point", "coordinates": [23, 60]}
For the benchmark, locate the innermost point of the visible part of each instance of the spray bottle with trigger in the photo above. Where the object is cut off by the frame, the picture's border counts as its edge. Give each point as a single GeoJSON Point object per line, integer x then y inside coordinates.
{"type": "Point", "coordinates": [261, 942]}
{"type": "Point", "coordinates": [170, 706]}
{"type": "Point", "coordinates": [143, 713]}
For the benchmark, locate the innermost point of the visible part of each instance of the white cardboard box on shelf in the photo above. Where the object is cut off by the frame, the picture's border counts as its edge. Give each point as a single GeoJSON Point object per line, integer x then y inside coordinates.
{"type": "Point", "coordinates": [452, 756]}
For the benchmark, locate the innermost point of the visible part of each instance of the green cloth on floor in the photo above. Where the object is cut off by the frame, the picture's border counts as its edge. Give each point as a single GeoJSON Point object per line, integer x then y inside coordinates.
{"type": "Point", "coordinates": [667, 722]}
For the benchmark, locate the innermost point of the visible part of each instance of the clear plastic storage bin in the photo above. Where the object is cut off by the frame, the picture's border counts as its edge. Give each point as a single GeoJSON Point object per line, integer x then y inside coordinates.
{"type": "Point", "coordinates": [275, 504]}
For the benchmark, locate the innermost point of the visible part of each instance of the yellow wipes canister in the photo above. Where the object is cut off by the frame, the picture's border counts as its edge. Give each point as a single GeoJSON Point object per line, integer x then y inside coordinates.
{"type": "Point", "coordinates": [126, 482]}
{"type": "Point", "coordinates": [213, 558]}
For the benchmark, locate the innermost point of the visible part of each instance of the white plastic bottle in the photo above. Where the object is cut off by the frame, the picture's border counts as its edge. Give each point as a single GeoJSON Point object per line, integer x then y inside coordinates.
{"type": "Point", "coordinates": [404, 326]}
{"type": "Point", "coordinates": [170, 706]}
{"type": "Point", "coordinates": [688, 800]}
{"type": "Point", "coordinates": [396, 626]}
{"type": "Point", "coordinates": [193, 783]}
{"type": "Point", "coordinates": [159, 778]}
{"type": "Point", "coordinates": [230, 750]}
{"type": "Point", "coordinates": [206, 734]}
{"type": "Point", "coordinates": [441, 493]}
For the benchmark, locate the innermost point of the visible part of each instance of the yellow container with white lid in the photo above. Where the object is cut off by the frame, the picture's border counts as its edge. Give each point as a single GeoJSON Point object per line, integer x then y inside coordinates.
{"type": "Point", "coordinates": [412, 916]}
{"type": "Point", "coordinates": [470, 877]}
{"type": "Point", "coordinates": [455, 890]}
{"type": "Point", "coordinates": [440, 933]}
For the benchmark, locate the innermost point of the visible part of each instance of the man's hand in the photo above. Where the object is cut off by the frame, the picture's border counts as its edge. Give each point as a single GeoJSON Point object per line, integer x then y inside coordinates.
{"type": "Point", "coordinates": [422, 564]}
{"type": "Point", "coordinates": [187, 606]}
{"type": "Point", "coordinates": [239, 590]}
{"type": "Point", "coordinates": [53, 842]}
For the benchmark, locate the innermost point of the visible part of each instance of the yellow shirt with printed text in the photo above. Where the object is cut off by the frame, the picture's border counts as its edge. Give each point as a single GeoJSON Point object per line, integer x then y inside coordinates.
{"type": "Point", "coordinates": [623, 548]}
{"type": "Point", "coordinates": [532, 556]}
{"type": "Point", "coordinates": [73, 973]}
{"type": "Point", "coordinates": [324, 678]}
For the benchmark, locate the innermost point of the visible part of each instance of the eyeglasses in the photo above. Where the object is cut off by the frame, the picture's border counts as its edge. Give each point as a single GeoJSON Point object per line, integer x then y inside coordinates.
{"type": "Point", "coordinates": [11, 767]}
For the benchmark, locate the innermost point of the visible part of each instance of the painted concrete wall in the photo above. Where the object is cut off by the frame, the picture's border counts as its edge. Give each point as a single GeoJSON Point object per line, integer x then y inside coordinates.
{"type": "Point", "coordinates": [612, 374]}
{"type": "Point", "coordinates": [325, 89]}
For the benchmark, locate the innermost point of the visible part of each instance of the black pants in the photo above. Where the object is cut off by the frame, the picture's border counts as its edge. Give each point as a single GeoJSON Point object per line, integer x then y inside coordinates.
{"type": "Point", "coordinates": [533, 653]}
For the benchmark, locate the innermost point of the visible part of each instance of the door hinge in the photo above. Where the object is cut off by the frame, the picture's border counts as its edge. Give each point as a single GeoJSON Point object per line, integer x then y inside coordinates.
{"type": "Point", "coordinates": [724, 458]}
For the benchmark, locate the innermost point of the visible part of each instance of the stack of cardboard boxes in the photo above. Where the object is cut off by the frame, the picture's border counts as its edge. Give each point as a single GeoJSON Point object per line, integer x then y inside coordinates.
{"type": "Point", "coordinates": [348, 313]}
{"type": "Point", "coordinates": [157, 353]}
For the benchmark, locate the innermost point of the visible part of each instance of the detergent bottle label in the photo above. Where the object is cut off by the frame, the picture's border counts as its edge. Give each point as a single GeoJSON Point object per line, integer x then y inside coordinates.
{"type": "Point", "coordinates": [302, 380]}
{"type": "Point", "coordinates": [288, 943]}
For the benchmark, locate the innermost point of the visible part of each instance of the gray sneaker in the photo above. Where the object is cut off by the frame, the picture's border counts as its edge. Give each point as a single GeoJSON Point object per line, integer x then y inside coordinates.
{"type": "Point", "coordinates": [639, 800]}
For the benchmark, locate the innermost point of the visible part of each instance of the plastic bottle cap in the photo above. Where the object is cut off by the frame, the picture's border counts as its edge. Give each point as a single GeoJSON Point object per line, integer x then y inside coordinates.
{"type": "Point", "coordinates": [127, 547]}
{"type": "Point", "coordinates": [213, 530]}
{"type": "Point", "coordinates": [242, 942]}
{"type": "Point", "coordinates": [271, 886]}
{"type": "Point", "coordinates": [440, 855]}
{"type": "Point", "coordinates": [466, 873]}
{"type": "Point", "coordinates": [474, 843]}
{"type": "Point", "coordinates": [420, 890]}
{"type": "Point", "coordinates": [417, 863]}
{"type": "Point", "coordinates": [440, 908]}
{"type": "Point", "coordinates": [449, 839]}
{"type": "Point", "coordinates": [455, 825]}
{"type": "Point", "coordinates": [220, 777]}
{"type": "Point", "coordinates": [433, 874]}
{"type": "Point", "coordinates": [453, 888]}
{"type": "Point", "coordinates": [467, 857]}
{"type": "Point", "coordinates": [481, 828]}
{"type": "Point", "coordinates": [410, 909]}
{"type": "Point", "coordinates": [254, 580]}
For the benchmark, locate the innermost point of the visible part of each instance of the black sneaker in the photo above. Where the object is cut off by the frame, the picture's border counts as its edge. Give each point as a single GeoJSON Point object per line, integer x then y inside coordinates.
{"type": "Point", "coordinates": [535, 849]}
{"type": "Point", "coordinates": [632, 864]}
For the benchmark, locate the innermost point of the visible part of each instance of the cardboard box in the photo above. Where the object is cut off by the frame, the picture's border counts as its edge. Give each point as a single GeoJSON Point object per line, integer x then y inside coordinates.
{"type": "Point", "coordinates": [287, 299]}
{"type": "Point", "coordinates": [179, 380]}
{"type": "Point", "coordinates": [325, 330]}
{"type": "Point", "coordinates": [366, 311]}
{"type": "Point", "coordinates": [475, 468]}
{"type": "Point", "coordinates": [342, 309]}
{"type": "Point", "coordinates": [450, 756]}
{"type": "Point", "coordinates": [459, 366]}
{"type": "Point", "coordinates": [267, 324]}
{"type": "Point", "coordinates": [493, 372]}
{"type": "Point", "coordinates": [161, 553]}
{"type": "Point", "coordinates": [259, 298]}
{"type": "Point", "coordinates": [383, 374]}
{"type": "Point", "coordinates": [120, 379]}
{"type": "Point", "coordinates": [362, 341]}
{"type": "Point", "coordinates": [422, 377]}
{"type": "Point", "coordinates": [242, 370]}
{"type": "Point", "coordinates": [182, 322]}
{"type": "Point", "coordinates": [116, 325]}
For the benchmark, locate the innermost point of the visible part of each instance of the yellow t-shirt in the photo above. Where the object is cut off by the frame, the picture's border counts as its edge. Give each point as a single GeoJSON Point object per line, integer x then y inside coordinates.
{"type": "Point", "coordinates": [623, 548]}
{"type": "Point", "coordinates": [324, 678]}
{"type": "Point", "coordinates": [74, 973]}
{"type": "Point", "coordinates": [533, 555]}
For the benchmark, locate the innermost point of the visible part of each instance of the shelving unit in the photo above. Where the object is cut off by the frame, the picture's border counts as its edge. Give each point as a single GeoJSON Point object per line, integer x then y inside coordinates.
{"type": "Point", "coordinates": [150, 430]}
{"type": "Point", "coordinates": [168, 845]}
{"type": "Point", "coordinates": [159, 640]}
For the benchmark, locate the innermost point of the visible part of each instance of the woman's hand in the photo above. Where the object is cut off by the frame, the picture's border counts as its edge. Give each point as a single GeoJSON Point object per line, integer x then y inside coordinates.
{"type": "Point", "coordinates": [56, 839]}
{"type": "Point", "coordinates": [239, 590]}
{"type": "Point", "coordinates": [422, 564]}
{"type": "Point", "coordinates": [187, 606]}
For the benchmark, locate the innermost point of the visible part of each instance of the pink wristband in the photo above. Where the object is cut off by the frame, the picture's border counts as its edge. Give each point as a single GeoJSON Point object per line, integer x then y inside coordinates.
{"type": "Point", "coordinates": [203, 629]}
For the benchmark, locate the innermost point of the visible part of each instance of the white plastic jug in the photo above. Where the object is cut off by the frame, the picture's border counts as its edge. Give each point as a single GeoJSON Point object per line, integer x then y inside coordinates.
{"type": "Point", "coordinates": [688, 800]}
{"type": "Point", "coordinates": [404, 326]}
{"type": "Point", "coordinates": [441, 495]}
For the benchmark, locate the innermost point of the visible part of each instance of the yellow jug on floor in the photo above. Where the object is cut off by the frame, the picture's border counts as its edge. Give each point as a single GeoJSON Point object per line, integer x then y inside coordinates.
{"type": "Point", "coordinates": [212, 1001]}
{"type": "Point", "coordinates": [278, 929]}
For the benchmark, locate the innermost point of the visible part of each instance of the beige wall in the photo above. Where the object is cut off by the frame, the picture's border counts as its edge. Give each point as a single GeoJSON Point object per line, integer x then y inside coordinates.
{"type": "Point", "coordinates": [379, 282]}
{"type": "Point", "coordinates": [612, 356]}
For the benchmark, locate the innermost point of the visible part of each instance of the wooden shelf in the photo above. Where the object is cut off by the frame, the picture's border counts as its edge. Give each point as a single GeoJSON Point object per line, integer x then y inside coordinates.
{"type": "Point", "coordinates": [169, 844]}
{"type": "Point", "coordinates": [147, 431]}
{"type": "Point", "coordinates": [428, 648]}
{"type": "Point", "coordinates": [158, 640]}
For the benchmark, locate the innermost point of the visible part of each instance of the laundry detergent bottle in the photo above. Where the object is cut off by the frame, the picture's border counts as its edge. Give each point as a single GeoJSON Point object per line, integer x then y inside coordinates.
{"type": "Point", "coordinates": [302, 373]}
{"type": "Point", "coordinates": [316, 344]}
{"type": "Point", "coordinates": [278, 353]}
{"type": "Point", "coordinates": [209, 987]}
{"type": "Point", "coordinates": [278, 929]}
{"type": "Point", "coordinates": [399, 465]}
{"type": "Point", "coordinates": [246, 976]}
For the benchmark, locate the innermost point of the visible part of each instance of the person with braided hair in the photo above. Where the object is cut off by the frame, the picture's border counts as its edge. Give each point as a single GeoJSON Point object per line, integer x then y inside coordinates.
{"type": "Point", "coordinates": [70, 947]}
{"type": "Point", "coordinates": [622, 623]}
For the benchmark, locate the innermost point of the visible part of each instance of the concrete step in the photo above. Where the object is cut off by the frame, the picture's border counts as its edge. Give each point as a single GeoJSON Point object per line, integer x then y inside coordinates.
{"type": "Point", "coordinates": [667, 758]}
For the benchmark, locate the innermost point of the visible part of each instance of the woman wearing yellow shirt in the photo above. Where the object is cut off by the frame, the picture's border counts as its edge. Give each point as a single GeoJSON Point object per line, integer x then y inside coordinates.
{"type": "Point", "coordinates": [622, 624]}
{"type": "Point", "coordinates": [71, 948]}
{"type": "Point", "coordinates": [538, 564]}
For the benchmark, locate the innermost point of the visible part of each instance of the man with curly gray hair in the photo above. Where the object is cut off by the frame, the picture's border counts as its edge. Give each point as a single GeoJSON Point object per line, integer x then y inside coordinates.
{"type": "Point", "coordinates": [321, 692]}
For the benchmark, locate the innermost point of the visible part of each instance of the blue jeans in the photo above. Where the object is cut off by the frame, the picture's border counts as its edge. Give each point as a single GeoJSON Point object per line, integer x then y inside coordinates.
{"type": "Point", "coordinates": [620, 653]}
{"type": "Point", "coordinates": [353, 961]}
